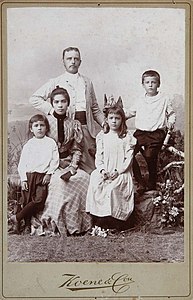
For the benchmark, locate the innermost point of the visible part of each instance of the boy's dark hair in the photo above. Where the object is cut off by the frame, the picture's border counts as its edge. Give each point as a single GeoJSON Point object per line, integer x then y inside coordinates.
{"type": "Point", "coordinates": [151, 73]}
{"type": "Point", "coordinates": [59, 91]}
{"type": "Point", "coordinates": [37, 118]}
{"type": "Point", "coordinates": [70, 49]}
{"type": "Point", "coordinates": [116, 109]}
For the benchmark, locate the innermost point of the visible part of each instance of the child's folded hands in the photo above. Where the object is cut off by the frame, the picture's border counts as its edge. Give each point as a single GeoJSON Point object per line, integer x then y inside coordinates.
{"type": "Point", "coordinates": [114, 174]}
{"type": "Point", "coordinates": [104, 174]}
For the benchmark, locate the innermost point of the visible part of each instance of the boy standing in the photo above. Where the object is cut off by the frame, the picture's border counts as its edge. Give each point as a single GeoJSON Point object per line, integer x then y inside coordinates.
{"type": "Point", "coordinates": [153, 115]}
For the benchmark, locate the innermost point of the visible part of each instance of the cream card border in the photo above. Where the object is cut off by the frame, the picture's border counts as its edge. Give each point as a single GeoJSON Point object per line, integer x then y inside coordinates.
{"type": "Point", "coordinates": [41, 280]}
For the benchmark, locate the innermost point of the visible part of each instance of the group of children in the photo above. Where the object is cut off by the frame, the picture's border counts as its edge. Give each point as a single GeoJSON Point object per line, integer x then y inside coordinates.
{"type": "Point", "coordinates": [109, 198]}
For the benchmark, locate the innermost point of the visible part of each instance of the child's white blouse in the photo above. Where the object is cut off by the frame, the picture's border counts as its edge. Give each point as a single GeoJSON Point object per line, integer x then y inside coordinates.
{"type": "Point", "coordinates": [38, 155]}
{"type": "Point", "coordinates": [114, 152]}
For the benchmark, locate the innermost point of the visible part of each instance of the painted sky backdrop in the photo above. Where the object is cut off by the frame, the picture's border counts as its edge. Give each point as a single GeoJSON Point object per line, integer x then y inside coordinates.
{"type": "Point", "coordinates": [117, 45]}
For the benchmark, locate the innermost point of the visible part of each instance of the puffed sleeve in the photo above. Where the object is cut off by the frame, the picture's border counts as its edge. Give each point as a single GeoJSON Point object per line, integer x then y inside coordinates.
{"type": "Point", "coordinates": [129, 145]}
{"type": "Point", "coordinates": [99, 158]}
{"type": "Point", "coordinates": [78, 133]}
{"type": "Point", "coordinates": [78, 144]}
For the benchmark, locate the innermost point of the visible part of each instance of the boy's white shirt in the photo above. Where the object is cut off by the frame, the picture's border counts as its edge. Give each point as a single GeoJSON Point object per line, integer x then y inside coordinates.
{"type": "Point", "coordinates": [38, 155]}
{"type": "Point", "coordinates": [152, 113]}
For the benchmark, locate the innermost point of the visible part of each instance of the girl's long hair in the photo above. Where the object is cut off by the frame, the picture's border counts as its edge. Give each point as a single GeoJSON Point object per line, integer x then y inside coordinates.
{"type": "Point", "coordinates": [116, 109]}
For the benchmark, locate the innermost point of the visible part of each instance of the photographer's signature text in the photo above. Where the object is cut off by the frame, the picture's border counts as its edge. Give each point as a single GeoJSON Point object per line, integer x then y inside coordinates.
{"type": "Point", "coordinates": [118, 282]}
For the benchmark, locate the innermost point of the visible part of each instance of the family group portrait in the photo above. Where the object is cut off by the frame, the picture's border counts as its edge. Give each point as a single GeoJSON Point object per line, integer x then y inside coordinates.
{"type": "Point", "coordinates": [95, 134]}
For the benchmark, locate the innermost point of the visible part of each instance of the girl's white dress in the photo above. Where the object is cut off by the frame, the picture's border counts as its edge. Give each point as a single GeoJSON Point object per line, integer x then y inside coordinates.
{"type": "Point", "coordinates": [112, 197]}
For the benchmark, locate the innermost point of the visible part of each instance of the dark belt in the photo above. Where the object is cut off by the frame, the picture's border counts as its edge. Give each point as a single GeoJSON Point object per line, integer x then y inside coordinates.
{"type": "Point", "coordinates": [81, 117]}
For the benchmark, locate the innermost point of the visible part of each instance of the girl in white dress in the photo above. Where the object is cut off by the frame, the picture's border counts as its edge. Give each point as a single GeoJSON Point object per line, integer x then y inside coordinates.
{"type": "Point", "coordinates": [111, 189]}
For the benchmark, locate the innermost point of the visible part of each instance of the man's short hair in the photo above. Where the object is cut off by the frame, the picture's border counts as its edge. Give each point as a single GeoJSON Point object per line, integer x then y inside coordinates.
{"type": "Point", "coordinates": [70, 49]}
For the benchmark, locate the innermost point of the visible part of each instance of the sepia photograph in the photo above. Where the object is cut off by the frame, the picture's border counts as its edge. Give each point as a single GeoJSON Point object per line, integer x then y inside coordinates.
{"type": "Point", "coordinates": [96, 130]}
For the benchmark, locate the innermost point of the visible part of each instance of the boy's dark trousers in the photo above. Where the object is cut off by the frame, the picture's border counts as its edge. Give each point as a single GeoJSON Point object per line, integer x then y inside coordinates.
{"type": "Point", "coordinates": [34, 198]}
{"type": "Point", "coordinates": [151, 141]}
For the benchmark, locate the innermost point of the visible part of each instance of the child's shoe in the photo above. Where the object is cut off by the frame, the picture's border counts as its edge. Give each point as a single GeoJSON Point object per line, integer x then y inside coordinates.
{"type": "Point", "coordinates": [103, 232]}
{"type": "Point", "coordinates": [94, 231]}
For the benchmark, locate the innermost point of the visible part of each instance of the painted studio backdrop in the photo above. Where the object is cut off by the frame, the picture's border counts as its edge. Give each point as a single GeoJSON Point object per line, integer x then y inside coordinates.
{"type": "Point", "coordinates": [117, 46]}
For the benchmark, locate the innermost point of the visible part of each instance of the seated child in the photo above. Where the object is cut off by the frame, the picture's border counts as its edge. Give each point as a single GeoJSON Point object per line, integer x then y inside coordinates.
{"type": "Point", "coordinates": [39, 160]}
{"type": "Point", "coordinates": [111, 192]}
